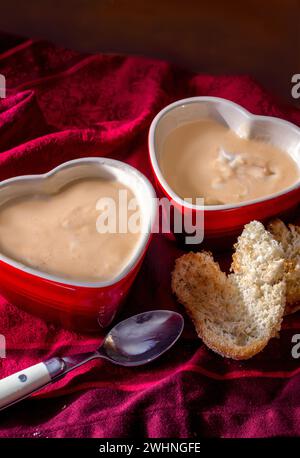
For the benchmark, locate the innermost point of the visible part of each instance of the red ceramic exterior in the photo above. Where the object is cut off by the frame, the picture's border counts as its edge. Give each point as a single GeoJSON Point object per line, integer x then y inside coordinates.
{"type": "Point", "coordinates": [77, 307]}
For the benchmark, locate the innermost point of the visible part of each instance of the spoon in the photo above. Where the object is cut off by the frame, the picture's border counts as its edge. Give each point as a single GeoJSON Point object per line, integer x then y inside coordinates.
{"type": "Point", "coordinates": [132, 342]}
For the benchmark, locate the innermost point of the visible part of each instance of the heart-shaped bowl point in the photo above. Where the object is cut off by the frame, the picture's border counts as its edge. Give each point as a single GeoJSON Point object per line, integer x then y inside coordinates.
{"type": "Point", "coordinates": [83, 305]}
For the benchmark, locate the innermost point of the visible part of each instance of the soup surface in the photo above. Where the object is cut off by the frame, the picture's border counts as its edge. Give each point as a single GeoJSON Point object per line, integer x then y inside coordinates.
{"type": "Point", "coordinates": [205, 159]}
{"type": "Point", "coordinates": [62, 234]}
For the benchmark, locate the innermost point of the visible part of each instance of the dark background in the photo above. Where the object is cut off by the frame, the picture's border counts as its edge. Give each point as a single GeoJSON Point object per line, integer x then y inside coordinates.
{"type": "Point", "coordinates": [259, 38]}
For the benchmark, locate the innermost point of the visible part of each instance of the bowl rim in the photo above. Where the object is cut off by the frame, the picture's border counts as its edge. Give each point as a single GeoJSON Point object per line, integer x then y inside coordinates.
{"type": "Point", "coordinates": [145, 235]}
{"type": "Point", "coordinates": [175, 197]}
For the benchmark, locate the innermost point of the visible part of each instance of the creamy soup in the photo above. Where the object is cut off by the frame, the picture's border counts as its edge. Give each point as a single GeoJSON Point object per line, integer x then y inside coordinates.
{"type": "Point", "coordinates": [60, 234]}
{"type": "Point", "coordinates": [207, 159]}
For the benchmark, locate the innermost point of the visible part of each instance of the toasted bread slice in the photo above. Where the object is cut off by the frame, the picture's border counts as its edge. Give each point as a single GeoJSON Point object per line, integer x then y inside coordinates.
{"type": "Point", "coordinates": [289, 237]}
{"type": "Point", "coordinates": [235, 315]}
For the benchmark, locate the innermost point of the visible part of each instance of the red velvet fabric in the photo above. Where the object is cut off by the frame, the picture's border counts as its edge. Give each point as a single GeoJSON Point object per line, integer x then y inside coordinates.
{"type": "Point", "coordinates": [61, 105]}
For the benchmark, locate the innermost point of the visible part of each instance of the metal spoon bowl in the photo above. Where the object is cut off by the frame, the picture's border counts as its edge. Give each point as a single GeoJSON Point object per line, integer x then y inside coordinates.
{"type": "Point", "coordinates": [142, 338]}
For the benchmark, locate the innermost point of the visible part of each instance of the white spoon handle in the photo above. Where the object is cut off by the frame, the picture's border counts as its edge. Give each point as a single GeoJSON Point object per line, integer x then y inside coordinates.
{"type": "Point", "coordinates": [21, 384]}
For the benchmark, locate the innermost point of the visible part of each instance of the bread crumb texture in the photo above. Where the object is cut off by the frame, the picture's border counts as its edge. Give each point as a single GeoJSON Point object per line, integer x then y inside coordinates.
{"type": "Point", "coordinates": [235, 315]}
{"type": "Point", "coordinates": [289, 237]}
